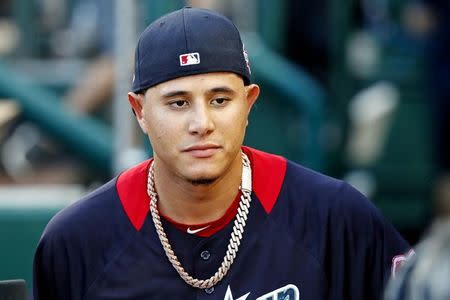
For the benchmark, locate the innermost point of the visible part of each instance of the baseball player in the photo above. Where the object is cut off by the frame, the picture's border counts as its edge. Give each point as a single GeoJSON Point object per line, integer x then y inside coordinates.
{"type": "Point", "coordinates": [207, 218]}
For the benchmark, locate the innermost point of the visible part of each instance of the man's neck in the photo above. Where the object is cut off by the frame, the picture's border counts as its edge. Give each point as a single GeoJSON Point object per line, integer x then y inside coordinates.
{"type": "Point", "coordinates": [188, 203]}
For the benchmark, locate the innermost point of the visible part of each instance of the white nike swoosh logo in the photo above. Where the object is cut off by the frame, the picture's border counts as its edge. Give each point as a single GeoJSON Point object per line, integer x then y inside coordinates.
{"type": "Point", "coordinates": [194, 231]}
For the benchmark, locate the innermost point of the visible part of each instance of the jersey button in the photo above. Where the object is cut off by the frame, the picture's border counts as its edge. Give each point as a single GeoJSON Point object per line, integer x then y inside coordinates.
{"type": "Point", "coordinates": [205, 255]}
{"type": "Point", "coordinates": [210, 290]}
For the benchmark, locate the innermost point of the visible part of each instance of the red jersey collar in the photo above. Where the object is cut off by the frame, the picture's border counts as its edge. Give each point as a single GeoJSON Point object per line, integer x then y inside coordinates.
{"type": "Point", "coordinates": [268, 173]}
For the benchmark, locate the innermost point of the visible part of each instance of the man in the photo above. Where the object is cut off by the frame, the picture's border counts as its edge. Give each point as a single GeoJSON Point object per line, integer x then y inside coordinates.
{"type": "Point", "coordinates": [207, 218]}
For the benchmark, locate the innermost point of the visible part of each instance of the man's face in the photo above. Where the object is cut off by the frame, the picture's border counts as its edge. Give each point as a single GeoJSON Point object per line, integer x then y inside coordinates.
{"type": "Point", "coordinates": [196, 124]}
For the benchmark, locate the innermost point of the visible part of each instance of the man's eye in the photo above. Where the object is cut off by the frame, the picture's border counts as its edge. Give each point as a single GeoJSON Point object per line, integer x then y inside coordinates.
{"type": "Point", "coordinates": [219, 101]}
{"type": "Point", "coordinates": [178, 103]}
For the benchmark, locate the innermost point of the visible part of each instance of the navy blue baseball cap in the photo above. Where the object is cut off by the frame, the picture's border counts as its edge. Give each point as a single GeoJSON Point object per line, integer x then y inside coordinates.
{"type": "Point", "coordinates": [186, 42]}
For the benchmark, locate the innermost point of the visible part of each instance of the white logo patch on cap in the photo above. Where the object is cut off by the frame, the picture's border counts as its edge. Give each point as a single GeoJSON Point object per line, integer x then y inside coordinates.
{"type": "Point", "coordinates": [189, 59]}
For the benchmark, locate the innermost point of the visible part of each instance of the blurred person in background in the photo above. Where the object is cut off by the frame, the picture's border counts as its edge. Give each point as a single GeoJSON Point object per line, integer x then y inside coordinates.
{"type": "Point", "coordinates": [90, 34]}
{"type": "Point", "coordinates": [426, 276]}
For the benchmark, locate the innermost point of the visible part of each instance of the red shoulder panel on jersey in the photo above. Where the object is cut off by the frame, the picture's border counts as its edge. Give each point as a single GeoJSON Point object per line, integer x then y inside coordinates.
{"type": "Point", "coordinates": [268, 175]}
{"type": "Point", "coordinates": [132, 189]}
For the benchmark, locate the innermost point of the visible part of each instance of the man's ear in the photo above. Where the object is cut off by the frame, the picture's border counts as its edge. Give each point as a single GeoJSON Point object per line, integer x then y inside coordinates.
{"type": "Point", "coordinates": [252, 93]}
{"type": "Point", "coordinates": [137, 104]}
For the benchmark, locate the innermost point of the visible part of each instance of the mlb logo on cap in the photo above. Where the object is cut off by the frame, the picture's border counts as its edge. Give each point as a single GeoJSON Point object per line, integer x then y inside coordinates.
{"type": "Point", "coordinates": [189, 59]}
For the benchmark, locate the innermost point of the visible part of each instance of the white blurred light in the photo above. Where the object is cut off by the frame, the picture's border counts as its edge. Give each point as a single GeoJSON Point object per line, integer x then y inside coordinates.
{"type": "Point", "coordinates": [370, 114]}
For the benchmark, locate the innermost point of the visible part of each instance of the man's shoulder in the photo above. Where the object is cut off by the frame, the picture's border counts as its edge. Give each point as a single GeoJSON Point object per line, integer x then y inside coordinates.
{"type": "Point", "coordinates": [306, 190]}
{"type": "Point", "coordinates": [311, 180]}
{"type": "Point", "coordinates": [268, 165]}
{"type": "Point", "coordinates": [105, 208]}
{"type": "Point", "coordinates": [330, 202]}
{"type": "Point", "coordinates": [322, 191]}
{"type": "Point", "coordinates": [276, 178]}
{"type": "Point", "coordinates": [85, 237]}
{"type": "Point", "coordinates": [87, 213]}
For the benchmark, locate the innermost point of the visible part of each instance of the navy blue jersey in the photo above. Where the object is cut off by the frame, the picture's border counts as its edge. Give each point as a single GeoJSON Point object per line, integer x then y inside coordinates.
{"type": "Point", "coordinates": [308, 236]}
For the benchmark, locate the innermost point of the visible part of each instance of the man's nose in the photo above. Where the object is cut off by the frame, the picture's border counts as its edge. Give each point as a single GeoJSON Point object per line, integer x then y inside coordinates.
{"type": "Point", "coordinates": [201, 121]}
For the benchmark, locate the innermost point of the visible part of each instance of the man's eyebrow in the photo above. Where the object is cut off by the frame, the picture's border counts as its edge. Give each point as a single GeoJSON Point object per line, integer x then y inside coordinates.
{"type": "Point", "coordinates": [222, 89]}
{"type": "Point", "coordinates": [219, 89]}
{"type": "Point", "coordinates": [175, 94]}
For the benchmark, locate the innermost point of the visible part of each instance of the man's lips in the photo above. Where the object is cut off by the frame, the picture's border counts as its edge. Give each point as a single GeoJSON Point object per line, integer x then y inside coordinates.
{"type": "Point", "coordinates": [202, 151]}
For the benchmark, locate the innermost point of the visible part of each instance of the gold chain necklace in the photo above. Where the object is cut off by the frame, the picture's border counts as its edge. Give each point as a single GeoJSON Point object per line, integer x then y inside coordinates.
{"type": "Point", "coordinates": [236, 234]}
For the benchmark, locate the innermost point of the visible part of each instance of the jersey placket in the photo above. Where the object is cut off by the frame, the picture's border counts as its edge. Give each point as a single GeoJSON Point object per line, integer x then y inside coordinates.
{"type": "Point", "coordinates": [207, 258]}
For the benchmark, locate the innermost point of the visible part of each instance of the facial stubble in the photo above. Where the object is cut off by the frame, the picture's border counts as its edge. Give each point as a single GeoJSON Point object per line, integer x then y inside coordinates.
{"type": "Point", "coordinates": [202, 181]}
